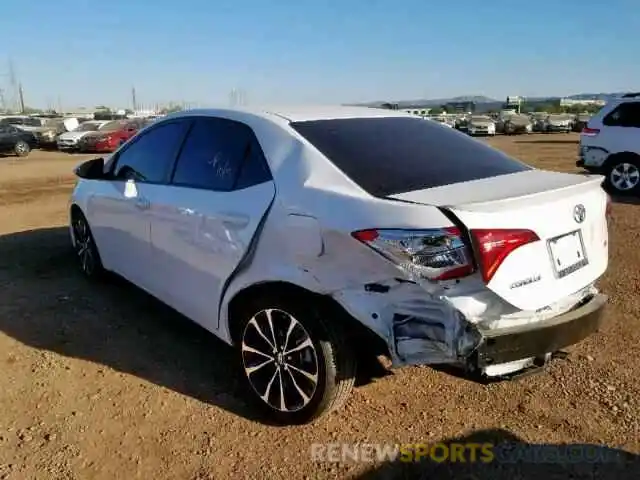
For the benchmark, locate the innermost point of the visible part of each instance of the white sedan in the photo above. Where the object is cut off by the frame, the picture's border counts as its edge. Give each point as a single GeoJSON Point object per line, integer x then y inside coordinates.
{"type": "Point", "coordinates": [302, 236]}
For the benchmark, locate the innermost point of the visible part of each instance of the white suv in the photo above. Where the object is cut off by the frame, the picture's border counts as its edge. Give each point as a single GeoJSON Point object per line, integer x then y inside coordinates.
{"type": "Point", "coordinates": [610, 144]}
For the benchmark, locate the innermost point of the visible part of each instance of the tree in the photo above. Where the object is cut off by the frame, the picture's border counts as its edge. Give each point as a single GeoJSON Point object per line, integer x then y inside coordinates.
{"type": "Point", "coordinates": [436, 111]}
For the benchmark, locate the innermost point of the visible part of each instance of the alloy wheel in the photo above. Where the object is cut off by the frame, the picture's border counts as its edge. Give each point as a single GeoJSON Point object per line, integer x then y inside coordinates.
{"type": "Point", "coordinates": [280, 360]}
{"type": "Point", "coordinates": [21, 148]}
{"type": "Point", "coordinates": [625, 176]}
{"type": "Point", "coordinates": [84, 246]}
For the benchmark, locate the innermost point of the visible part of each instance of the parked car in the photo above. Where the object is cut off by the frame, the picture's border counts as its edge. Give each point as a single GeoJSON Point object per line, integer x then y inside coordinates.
{"type": "Point", "coordinates": [580, 122]}
{"type": "Point", "coordinates": [517, 124]}
{"type": "Point", "coordinates": [69, 140]}
{"type": "Point", "coordinates": [558, 123]}
{"type": "Point", "coordinates": [45, 129]}
{"type": "Point", "coordinates": [442, 121]}
{"type": "Point", "coordinates": [16, 141]}
{"type": "Point", "coordinates": [110, 136]}
{"type": "Point", "coordinates": [539, 122]}
{"type": "Point", "coordinates": [610, 145]}
{"type": "Point", "coordinates": [306, 238]}
{"type": "Point", "coordinates": [481, 125]}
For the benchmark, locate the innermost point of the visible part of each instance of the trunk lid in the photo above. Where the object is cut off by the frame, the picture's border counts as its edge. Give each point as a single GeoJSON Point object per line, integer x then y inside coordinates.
{"type": "Point", "coordinates": [572, 250]}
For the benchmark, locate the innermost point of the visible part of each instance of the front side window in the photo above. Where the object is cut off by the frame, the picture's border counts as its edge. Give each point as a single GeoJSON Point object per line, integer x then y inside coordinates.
{"type": "Point", "coordinates": [216, 152]}
{"type": "Point", "coordinates": [150, 157]}
{"type": "Point", "coordinates": [393, 155]}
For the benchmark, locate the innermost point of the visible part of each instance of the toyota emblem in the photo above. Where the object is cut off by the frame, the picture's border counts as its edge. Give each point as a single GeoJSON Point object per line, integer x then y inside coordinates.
{"type": "Point", "coordinates": [579, 213]}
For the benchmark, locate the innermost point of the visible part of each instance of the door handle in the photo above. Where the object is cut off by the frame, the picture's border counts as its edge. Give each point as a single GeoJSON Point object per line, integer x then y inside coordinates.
{"type": "Point", "coordinates": [142, 203]}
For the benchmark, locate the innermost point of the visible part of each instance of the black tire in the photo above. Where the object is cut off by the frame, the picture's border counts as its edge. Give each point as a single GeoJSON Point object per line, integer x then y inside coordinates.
{"type": "Point", "coordinates": [21, 148]}
{"type": "Point", "coordinates": [622, 174]}
{"type": "Point", "coordinates": [85, 247]}
{"type": "Point", "coordinates": [326, 356]}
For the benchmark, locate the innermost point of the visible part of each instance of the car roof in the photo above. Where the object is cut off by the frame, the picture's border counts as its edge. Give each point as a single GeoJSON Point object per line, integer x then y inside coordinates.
{"type": "Point", "coordinates": [298, 113]}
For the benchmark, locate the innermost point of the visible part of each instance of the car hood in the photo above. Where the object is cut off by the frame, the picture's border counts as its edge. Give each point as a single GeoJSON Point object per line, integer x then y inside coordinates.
{"type": "Point", "coordinates": [558, 121]}
{"type": "Point", "coordinates": [73, 135]}
{"type": "Point", "coordinates": [480, 123]}
{"type": "Point", "coordinates": [518, 120]}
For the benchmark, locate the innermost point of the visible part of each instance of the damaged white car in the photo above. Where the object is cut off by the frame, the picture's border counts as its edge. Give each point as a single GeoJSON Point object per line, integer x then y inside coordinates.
{"type": "Point", "coordinates": [304, 237]}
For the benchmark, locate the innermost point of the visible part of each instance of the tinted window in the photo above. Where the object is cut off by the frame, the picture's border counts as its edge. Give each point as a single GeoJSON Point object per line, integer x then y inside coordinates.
{"type": "Point", "coordinates": [8, 129]}
{"type": "Point", "coordinates": [214, 153]}
{"type": "Point", "coordinates": [624, 115]}
{"type": "Point", "coordinates": [254, 167]}
{"type": "Point", "coordinates": [387, 156]}
{"type": "Point", "coordinates": [149, 158]}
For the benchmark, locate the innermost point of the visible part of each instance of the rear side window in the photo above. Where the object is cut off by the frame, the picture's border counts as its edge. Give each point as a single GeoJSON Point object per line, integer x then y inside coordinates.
{"type": "Point", "coordinates": [392, 155]}
{"type": "Point", "coordinates": [626, 114]}
{"type": "Point", "coordinates": [220, 155]}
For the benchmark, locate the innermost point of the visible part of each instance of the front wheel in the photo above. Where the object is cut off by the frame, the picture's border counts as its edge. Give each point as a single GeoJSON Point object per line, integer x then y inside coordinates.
{"type": "Point", "coordinates": [86, 250]}
{"type": "Point", "coordinates": [21, 148]}
{"type": "Point", "coordinates": [296, 362]}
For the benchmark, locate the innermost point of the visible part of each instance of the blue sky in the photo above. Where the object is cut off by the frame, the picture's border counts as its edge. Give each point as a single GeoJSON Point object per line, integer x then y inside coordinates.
{"type": "Point", "coordinates": [303, 51]}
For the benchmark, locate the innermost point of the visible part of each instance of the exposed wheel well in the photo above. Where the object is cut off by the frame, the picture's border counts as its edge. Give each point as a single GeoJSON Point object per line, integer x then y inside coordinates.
{"type": "Point", "coordinates": [75, 210]}
{"type": "Point", "coordinates": [360, 337]}
{"type": "Point", "coordinates": [616, 157]}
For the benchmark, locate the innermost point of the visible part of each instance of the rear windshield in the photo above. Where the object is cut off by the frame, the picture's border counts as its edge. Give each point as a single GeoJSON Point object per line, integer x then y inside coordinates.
{"type": "Point", "coordinates": [392, 155]}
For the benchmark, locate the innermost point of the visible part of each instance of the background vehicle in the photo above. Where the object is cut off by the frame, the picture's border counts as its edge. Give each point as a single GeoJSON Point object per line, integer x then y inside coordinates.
{"type": "Point", "coordinates": [442, 121]}
{"type": "Point", "coordinates": [69, 140]}
{"type": "Point", "coordinates": [517, 123]}
{"type": "Point", "coordinates": [110, 136]}
{"type": "Point", "coordinates": [610, 144]}
{"type": "Point", "coordinates": [300, 236]}
{"type": "Point", "coordinates": [581, 121]}
{"type": "Point", "coordinates": [538, 121]}
{"type": "Point", "coordinates": [558, 123]}
{"type": "Point", "coordinates": [15, 140]}
{"type": "Point", "coordinates": [480, 125]}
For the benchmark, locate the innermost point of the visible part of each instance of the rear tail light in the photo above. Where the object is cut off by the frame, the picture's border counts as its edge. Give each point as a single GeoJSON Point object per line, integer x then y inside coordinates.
{"type": "Point", "coordinates": [590, 132]}
{"type": "Point", "coordinates": [433, 254]}
{"type": "Point", "coordinates": [493, 246]}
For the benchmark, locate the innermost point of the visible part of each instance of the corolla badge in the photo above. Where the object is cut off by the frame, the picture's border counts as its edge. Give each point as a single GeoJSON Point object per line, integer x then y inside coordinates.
{"type": "Point", "coordinates": [579, 213]}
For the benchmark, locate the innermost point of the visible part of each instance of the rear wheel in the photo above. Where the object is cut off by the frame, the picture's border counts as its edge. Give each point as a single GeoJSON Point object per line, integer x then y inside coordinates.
{"type": "Point", "coordinates": [296, 362]}
{"type": "Point", "coordinates": [623, 174]}
{"type": "Point", "coordinates": [21, 148]}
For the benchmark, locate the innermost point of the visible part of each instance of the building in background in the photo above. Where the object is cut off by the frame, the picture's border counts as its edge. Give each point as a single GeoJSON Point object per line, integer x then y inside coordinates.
{"type": "Point", "coordinates": [460, 107]}
{"type": "Point", "coordinates": [570, 102]}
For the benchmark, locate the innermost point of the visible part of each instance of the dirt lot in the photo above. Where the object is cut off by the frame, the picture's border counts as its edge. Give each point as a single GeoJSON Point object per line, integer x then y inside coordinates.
{"type": "Point", "coordinates": [106, 383]}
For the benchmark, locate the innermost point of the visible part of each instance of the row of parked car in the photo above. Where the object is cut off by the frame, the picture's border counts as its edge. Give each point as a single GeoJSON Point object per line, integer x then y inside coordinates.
{"type": "Point", "coordinates": [20, 134]}
{"type": "Point", "coordinates": [510, 123]}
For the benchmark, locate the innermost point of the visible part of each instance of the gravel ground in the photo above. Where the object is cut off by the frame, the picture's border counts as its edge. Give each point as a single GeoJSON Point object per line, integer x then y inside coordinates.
{"type": "Point", "coordinates": [103, 383]}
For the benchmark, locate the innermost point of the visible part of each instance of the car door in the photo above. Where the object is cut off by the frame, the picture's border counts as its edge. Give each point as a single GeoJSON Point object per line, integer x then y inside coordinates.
{"type": "Point", "coordinates": [5, 138]}
{"type": "Point", "coordinates": [221, 189]}
{"type": "Point", "coordinates": [119, 208]}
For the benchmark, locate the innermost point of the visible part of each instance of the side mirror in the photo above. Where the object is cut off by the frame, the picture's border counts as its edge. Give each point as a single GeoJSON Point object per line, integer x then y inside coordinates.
{"type": "Point", "coordinates": [91, 169]}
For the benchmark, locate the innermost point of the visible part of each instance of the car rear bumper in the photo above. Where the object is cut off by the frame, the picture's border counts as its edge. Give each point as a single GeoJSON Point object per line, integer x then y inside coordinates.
{"type": "Point", "coordinates": [538, 339]}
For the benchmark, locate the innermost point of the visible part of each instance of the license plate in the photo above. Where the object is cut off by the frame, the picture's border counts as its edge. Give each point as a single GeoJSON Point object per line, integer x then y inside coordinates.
{"type": "Point", "coordinates": [567, 253]}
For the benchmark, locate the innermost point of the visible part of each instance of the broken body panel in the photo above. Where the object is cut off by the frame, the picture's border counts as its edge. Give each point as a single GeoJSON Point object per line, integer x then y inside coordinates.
{"type": "Point", "coordinates": [438, 322]}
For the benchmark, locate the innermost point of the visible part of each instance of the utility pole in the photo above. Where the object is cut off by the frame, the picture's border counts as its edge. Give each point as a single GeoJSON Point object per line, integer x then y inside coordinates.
{"type": "Point", "coordinates": [13, 81]}
{"type": "Point", "coordinates": [21, 94]}
{"type": "Point", "coordinates": [3, 103]}
{"type": "Point", "coordinates": [133, 99]}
